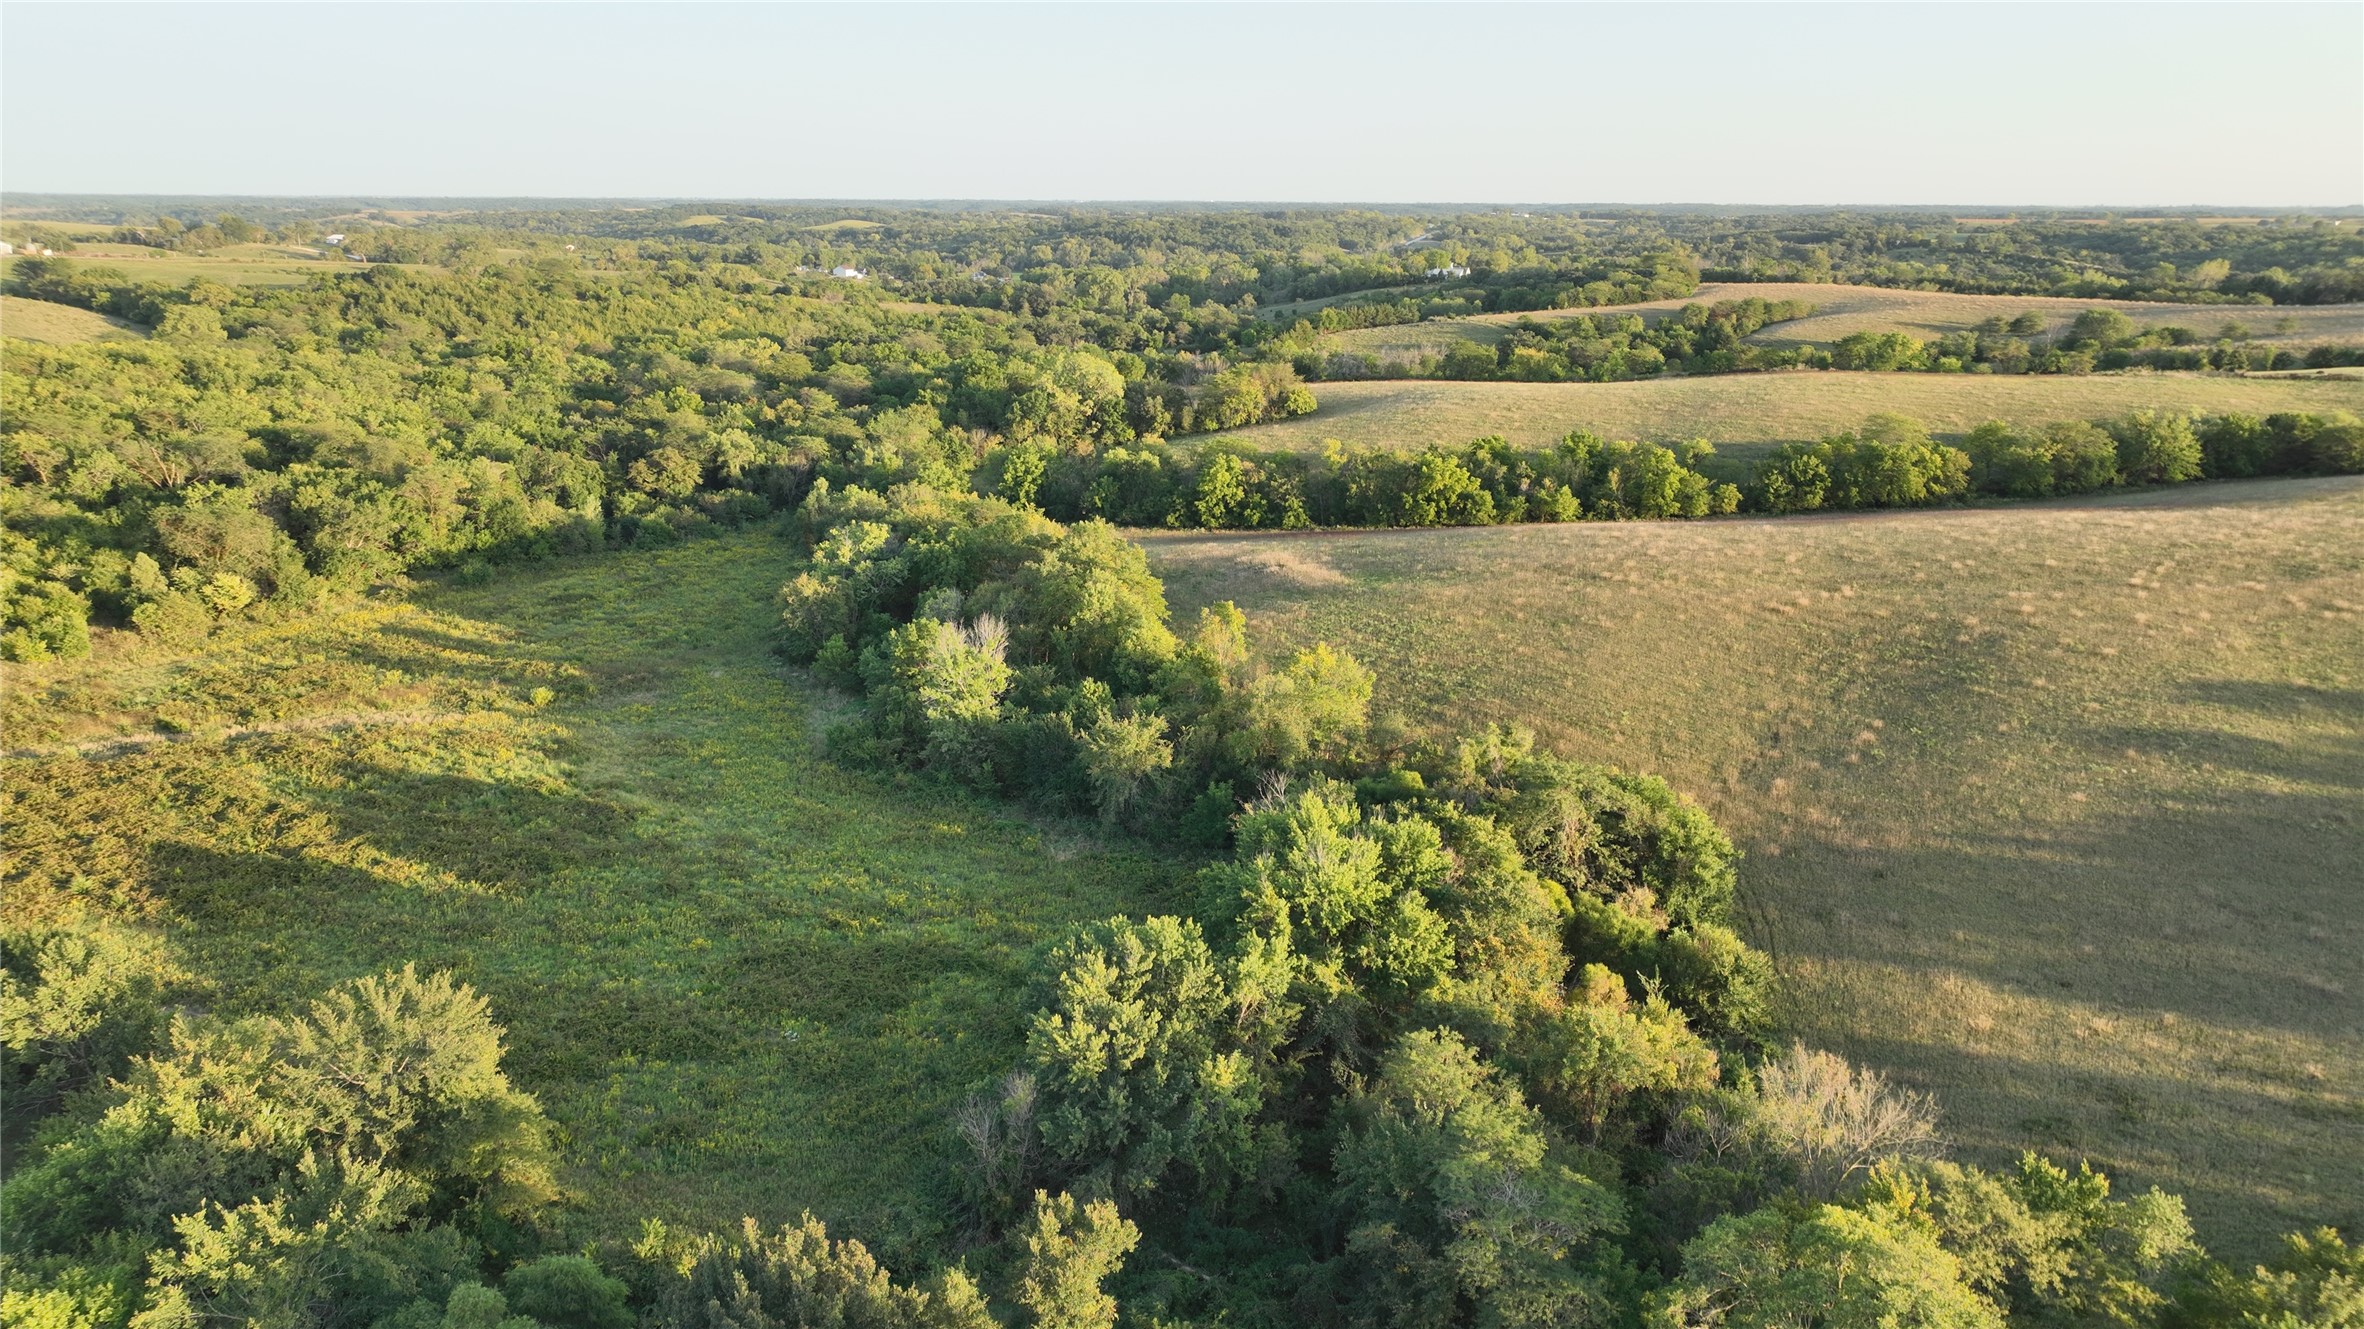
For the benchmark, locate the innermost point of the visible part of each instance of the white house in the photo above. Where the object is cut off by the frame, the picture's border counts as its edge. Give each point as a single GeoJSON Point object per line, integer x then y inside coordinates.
{"type": "Point", "coordinates": [6, 248]}
{"type": "Point", "coordinates": [336, 239]}
{"type": "Point", "coordinates": [850, 274]}
{"type": "Point", "coordinates": [1449, 270]}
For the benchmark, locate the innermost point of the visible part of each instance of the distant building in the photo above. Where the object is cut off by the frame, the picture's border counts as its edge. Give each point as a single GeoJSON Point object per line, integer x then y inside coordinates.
{"type": "Point", "coordinates": [336, 239]}
{"type": "Point", "coordinates": [1449, 270]}
{"type": "Point", "coordinates": [6, 248]}
{"type": "Point", "coordinates": [850, 274]}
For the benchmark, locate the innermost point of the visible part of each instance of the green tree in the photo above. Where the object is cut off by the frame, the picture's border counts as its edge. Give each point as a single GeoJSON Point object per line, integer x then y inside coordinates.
{"type": "Point", "coordinates": [2156, 448]}
{"type": "Point", "coordinates": [1828, 1267]}
{"type": "Point", "coordinates": [1071, 1250]}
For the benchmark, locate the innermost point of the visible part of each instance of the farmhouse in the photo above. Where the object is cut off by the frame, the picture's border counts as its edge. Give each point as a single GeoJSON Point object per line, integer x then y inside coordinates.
{"type": "Point", "coordinates": [850, 274]}
{"type": "Point", "coordinates": [336, 239]}
{"type": "Point", "coordinates": [1449, 270]}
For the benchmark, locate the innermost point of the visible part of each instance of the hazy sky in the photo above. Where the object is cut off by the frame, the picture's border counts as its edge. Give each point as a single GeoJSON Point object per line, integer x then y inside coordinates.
{"type": "Point", "coordinates": [2118, 104]}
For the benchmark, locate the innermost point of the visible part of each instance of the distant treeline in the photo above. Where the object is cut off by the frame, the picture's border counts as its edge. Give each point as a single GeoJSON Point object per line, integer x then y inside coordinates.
{"type": "Point", "coordinates": [1593, 348]}
{"type": "Point", "coordinates": [1708, 339]}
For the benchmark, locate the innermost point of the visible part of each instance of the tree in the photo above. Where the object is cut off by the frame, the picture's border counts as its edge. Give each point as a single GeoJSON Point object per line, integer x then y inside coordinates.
{"type": "Point", "coordinates": [1445, 1163]}
{"type": "Point", "coordinates": [798, 1276]}
{"type": "Point", "coordinates": [567, 1292]}
{"type": "Point", "coordinates": [1071, 1250]}
{"type": "Point", "coordinates": [1135, 1062]}
{"type": "Point", "coordinates": [1829, 1267]}
{"type": "Point", "coordinates": [2156, 448]}
{"type": "Point", "coordinates": [76, 1004]}
{"type": "Point", "coordinates": [1121, 754]}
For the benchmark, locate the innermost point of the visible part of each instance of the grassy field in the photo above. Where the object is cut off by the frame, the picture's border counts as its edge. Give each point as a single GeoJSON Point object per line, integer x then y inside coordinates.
{"type": "Point", "coordinates": [39, 320]}
{"type": "Point", "coordinates": [743, 980]}
{"type": "Point", "coordinates": [1841, 310]}
{"type": "Point", "coordinates": [1745, 413]}
{"type": "Point", "coordinates": [237, 265]}
{"type": "Point", "coordinates": [2056, 810]}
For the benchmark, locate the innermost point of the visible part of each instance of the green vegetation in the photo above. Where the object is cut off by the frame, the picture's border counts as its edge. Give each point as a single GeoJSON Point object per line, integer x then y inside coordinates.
{"type": "Point", "coordinates": [528, 948]}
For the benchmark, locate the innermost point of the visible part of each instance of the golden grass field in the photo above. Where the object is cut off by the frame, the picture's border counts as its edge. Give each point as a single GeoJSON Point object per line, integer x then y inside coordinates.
{"type": "Point", "coordinates": [1847, 309]}
{"type": "Point", "coordinates": [2056, 811]}
{"type": "Point", "coordinates": [39, 320]}
{"type": "Point", "coordinates": [1745, 413]}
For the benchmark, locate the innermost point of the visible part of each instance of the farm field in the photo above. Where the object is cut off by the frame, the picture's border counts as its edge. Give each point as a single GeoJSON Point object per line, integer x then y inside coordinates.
{"type": "Point", "coordinates": [1747, 413]}
{"type": "Point", "coordinates": [40, 320]}
{"type": "Point", "coordinates": [1849, 309]}
{"type": "Point", "coordinates": [2056, 811]}
{"type": "Point", "coordinates": [742, 980]}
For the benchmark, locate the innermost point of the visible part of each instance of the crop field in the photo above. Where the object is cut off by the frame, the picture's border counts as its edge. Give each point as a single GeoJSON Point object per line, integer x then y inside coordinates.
{"type": "Point", "coordinates": [743, 980]}
{"type": "Point", "coordinates": [1842, 310]}
{"type": "Point", "coordinates": [2056, 811]}
{"type": "Point", "coordinates": [39, 320]}
{"type": "Point", "coordinates": [1748, 413]}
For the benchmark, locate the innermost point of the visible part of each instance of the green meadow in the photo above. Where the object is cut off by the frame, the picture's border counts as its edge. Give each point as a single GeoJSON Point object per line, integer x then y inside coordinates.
{"type": "Point", "coordinates": [743, 980]}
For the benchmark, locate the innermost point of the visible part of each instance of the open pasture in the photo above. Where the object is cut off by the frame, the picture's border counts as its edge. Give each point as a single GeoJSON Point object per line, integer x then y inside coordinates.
{"type": "Point", "coordinates": [236, 265]}
{"type": "Point", "coordinates": [2056, 811]}
{"type": "Point", "coordinates": [39, 320]}
{"type": "Point", "coordinates": [743, 980]}
{"type": "Point", "coordinates": [1842, 310]}
{"type": "Point", "coordinates": [1747, 413]}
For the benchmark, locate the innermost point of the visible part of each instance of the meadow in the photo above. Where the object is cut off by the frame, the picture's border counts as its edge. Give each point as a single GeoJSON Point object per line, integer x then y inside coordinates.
{"type": "Point", "coordinates": [1844, 309]}
{"type": "Point", "coordinates": [39, 320]}
{"type": "Point", "coordinates": [2053, 810]}
{"type": "Point", "coordinates": [743, 980]}
{"type": "Point", "coordinates": [236, 265]}
{"type": "Point", "coordinates": [1746, 414]}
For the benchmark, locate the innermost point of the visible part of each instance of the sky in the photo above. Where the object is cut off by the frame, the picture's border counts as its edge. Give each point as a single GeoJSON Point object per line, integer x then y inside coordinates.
{"type": "Point", "coordinates": [2117, 105]}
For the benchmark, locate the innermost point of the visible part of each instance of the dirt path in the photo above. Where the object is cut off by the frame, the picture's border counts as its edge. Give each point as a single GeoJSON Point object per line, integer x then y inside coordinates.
{"type": "Point", "coordinates": [101, 749]}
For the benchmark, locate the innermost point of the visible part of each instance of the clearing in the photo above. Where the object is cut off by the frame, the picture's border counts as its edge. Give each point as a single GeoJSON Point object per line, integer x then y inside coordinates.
{"type": "Point", "coordinates": [2056, 811]}
{"type": "Point", "coordinates": [40, 320]}
{"type": "Point", "coordinates": [743, 980]}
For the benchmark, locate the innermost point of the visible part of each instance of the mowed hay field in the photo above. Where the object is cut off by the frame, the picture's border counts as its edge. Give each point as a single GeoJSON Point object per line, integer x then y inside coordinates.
{"type": "Point", "coordinates": [1841, 310]}
{"type": "Point", "coordinates": [1750, 413]}
{"type": "Point", "coordinates": [2055, 811]}
{"type": "Point", "coordinates": [744, 981]}
{"type": "Point", "coordinates": [39, 320]}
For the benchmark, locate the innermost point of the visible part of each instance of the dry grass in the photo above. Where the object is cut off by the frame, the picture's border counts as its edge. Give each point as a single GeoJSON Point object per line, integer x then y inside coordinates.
{"type": "Point", "coordinates": [39, 320]}
{"type": "Point", "coordinates": [2055, 811]}
{"type": "Point", "coordinates": [1750, 412]}
{"type": "Point", "coordinates": [1925, 314]}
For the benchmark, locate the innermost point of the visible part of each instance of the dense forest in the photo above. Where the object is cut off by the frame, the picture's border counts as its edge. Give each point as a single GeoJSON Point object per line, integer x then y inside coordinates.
{"type": "Point", "coordinates": [1458, 1031]}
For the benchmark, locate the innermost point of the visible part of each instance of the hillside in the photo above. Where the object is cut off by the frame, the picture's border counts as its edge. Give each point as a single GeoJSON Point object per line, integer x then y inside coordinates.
{"type": "Point", "coordinates": [2054, 810]}
{"type": "Point", "coordinates": [39, 320]}
{"type": "Point", "coordinates": [1743, 413]}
